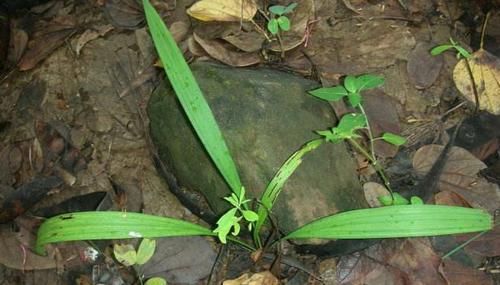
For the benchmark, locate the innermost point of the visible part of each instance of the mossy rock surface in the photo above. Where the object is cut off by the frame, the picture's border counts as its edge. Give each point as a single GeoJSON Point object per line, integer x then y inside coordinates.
{"type": "Point", "coordinates": [265, 116]}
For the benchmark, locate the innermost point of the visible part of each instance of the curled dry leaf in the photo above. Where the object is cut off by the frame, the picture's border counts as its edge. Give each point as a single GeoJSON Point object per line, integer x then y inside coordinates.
{"type": "Point", "coordinates": [224, 53]}
{"type": "Point", "coordinates": [223, 10]}
{"type": "Point", "coordinates": [460, 176]}
{"type": "Point", "coordinates": [90, 35]}
{"type": "Point", "coordinates": [485, 69]}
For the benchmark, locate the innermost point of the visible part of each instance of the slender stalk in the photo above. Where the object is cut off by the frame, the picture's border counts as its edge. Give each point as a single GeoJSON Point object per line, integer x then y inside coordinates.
{"type": "Point", "coordinates": [374, 162]}
{"type": "Point", "coordinates": [242, 243]}
{"type": "Point", "coordinates": [370, 134]}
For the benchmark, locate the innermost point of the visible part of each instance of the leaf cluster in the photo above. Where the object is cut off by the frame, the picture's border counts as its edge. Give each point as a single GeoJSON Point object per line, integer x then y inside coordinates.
{"type": "Point", "coordinates": [279, 21]}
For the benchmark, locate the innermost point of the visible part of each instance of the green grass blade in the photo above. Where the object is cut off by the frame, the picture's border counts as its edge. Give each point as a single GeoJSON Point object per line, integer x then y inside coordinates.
{"type": "Point", "coordinates": [396, 221]}
{"type": "Point", "coordinates": [112, 225]}
{"type": "Point", "coordinates": [274, 187]}
{"type": "Point", "coordinates": [191, 98]}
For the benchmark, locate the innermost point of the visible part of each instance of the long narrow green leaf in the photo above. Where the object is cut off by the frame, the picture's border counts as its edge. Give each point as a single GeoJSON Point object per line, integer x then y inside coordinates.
{"type": "Point", "coordinates": [112, 225]}
{"type": "Point", "coordinates": [396, 221]}
{"type": "Point", "coordinates": [191, 98]}
{"type": "Point", "coordinates": [274, 187]}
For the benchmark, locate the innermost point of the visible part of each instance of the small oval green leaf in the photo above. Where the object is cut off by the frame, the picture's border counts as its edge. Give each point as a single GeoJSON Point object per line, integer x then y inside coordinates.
{"type": "Point", "coordinates": [394, 139]}
{"type": "Point", "coordinates": [290, 8]}
{"type": "Point", "coordinates": [284, 23]}
{"type": "Point", "coordinates": [369, 81]}
{"type": "Point", "coordinates": [125, 254]}
{"type": "Point", "coordinates": [272, 26]}
{"type": "Point", "coordinates": [277, 10]}
{"type": "Point", "coordinates": [350, 84]}
{"type": "Point", "coordinates": [354, 99]}
{"type": "Point", "coordinates": [250, 216]}
{"type": "Point", "coordinates": [145, 251]}
{"type": "Point", "coordinates": [156, 281]}
{"type": "Point", "coordinates": [395, 199]}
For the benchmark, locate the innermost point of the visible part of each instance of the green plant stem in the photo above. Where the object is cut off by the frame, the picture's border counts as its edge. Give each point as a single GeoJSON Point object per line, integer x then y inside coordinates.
{"type": "Point", "coordinates": [370, 134]}
{"type": "Point", "coordinates": [281, 45]}
{"type": "Point", "coordinates": [242, 243]}
{"type": "Point", "coordinates": [373, 161]}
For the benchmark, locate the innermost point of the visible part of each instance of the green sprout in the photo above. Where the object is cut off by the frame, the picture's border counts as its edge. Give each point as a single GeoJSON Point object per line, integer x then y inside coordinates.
{"type": "Point", "coordinates": [461, 52]}
{"type": "Point", "coordinates": [231, 220]}
{"type": "Point", "coordinates": [279, 21]}
{"type": "Point", "coordinates": [128, 256]}
{"type": "Point", "coordinates": [350, 124]}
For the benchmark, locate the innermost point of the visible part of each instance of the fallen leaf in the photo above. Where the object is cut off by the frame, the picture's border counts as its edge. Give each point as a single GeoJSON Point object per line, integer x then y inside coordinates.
{"type": "Point", "coordinates": [423, 68]}
{"type": "Point", "coordinates": [46, 40]}
{"type": "Point", "coordinates": [456, 273]}
{"type": "Point", "coordinates": [223, 10]}
{"type": "Point", "coordinates": [485, 69]}
{"type": "Point", "coordinates": [409, 261]}
{"type": "Point", "coordinates": [246, 41]}
{"type": "Point", "coordinates": [17, 45]}
{"type": "Point", "coordinates": [460, 175]}
{"type": "Point", "coordinates": [224, 53]}
{"type": "Point", "coordinates": [90, 35]}
{"type": "Point", "coordinates": [15, 247]}
{"type": "Point", "coordinates": [260, 278]}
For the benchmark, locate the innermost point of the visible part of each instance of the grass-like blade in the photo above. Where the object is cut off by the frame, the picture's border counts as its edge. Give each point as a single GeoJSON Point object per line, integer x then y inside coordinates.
{"type": "Point", "coordinates": [112, 225]}
{"type": "Point", "coordinates": [274, 187]}
{"type": "Point", "coordinates": [396, 221]}
{"type": "Point", "coordinates": [191, 98]}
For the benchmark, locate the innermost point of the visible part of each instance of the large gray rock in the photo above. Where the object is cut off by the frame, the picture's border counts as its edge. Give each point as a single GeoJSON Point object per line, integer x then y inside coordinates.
{"type": "Point", "coordinates": [265, 116]}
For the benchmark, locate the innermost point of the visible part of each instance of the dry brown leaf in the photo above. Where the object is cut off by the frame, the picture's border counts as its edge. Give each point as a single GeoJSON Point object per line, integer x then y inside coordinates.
{"type": "Point", "coordinates": [223, 53]}
{"type": "Point", "coordinates": [460, 176]}
{"type": "Point", "coordinates": [260, 278]}
{"type": "Point", "coordinates": [485, 68]}
{"type": "Point", "coordinates": [90, 35]}
{"type": "Point", "coordinates": [456, 273]}
{"type": "Point", "coordinates": [410, 261]}
{"type": "Point", "coordinates": [423, 68]}
{"type": "Point", "coordinates": [223, 10]}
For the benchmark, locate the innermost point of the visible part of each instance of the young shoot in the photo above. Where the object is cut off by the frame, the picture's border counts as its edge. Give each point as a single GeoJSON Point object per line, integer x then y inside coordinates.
{"type": "Point", "coordinates": [350, 124]}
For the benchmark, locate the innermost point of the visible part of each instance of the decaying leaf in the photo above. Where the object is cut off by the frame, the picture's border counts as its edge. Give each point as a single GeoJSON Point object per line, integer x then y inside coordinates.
{"type": "Point", "coordinates": [423, 68]}
{"type": "Point", "coordinates": [223, 10]}
{"type": "Point", "coordinates": [460, 176]}
{"type": "Point", "coordinates": [485, 69]}
{"type": "Point", "coordinates": [260, 278]}
{"type": "Point", "coordinates": [217, 49]}
{"type": "Point", "coordinates": [456, 273]}
{"type": "Point", "coordinates": [90, 35]}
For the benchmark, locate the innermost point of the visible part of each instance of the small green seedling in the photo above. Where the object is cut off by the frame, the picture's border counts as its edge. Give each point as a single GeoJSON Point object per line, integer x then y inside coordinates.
{"type": "Point", "coordinates": [461, 52]}
{"type": "Point", "coordinates": [279, 21]}
{"type": "Point", "coordinates": [128, 256]}
{"type": "Point", "coordinates": [350, 124]}
{"type": "Point", "coordinates": [231, 219]}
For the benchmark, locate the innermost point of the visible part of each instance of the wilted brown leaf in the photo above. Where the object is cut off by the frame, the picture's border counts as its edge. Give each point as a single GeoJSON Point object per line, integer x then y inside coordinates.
{"type": "Point", "coordinates": [410, 261]}
{"type": "Point", "coordinates": [90, 35]}
{"type": "Point", "coordinates": [456, 273]}
{"type": "Point", "coordinates": [260, 278]}
{"type": "Point", "coordinates": [226, 54]}
{"type": "Point", "coordinates": [223, 10]}
{"type": "Point", "coordinates": [47, 39]}
{"type": "Point", "coordinates": [485, 69]}
{"type": "Point", "coordinates": [460, 176]}
{"type": "Point", "coordinates": [423, 68]}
